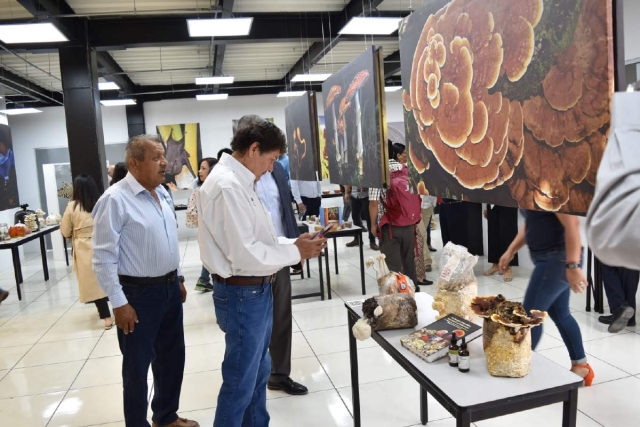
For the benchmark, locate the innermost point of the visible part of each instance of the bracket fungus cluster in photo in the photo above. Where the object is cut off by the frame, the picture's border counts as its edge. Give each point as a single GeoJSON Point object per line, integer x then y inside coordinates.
{"type": "Point", "coordinates": [480, 116]}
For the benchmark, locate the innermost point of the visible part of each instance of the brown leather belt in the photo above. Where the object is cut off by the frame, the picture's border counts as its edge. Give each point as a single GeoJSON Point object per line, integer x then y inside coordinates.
{"type": "Point", "coordinates": [245, 280]}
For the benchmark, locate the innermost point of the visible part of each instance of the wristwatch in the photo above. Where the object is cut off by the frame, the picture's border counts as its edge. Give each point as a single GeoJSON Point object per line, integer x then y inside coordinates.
{"type": "Point", "coordinates": [573, 265]}
{"type": "Point", "coordinates": [181, 279]}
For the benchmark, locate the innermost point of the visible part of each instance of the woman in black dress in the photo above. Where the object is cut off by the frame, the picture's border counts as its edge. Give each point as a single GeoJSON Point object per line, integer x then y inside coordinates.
{"type": "Point", "coordinates": [503, 228]}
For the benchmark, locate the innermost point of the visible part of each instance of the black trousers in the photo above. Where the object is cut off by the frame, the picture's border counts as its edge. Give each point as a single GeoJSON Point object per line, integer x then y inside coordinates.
{"type": "Point", "coordinates": [360, 208]}
{"type": "Point", "coordinates": [103, 307]}
{"type": "Point", "coordinates": [461, 223]}
{"type": "Point", "coordinates": [312, 205]}
{"type": "Point", "coordinates": [281, 334]}
{"type": "Point", "coordinates": [620, 285]}
{"type": "Point", "coordinates": [503, 228]}
{"type": "Point", "coordinates": [399, 248]}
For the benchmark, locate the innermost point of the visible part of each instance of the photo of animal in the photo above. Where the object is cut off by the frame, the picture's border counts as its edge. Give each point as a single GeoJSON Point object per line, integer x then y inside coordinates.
{"type": "Point", "coordinates": [182, 151]}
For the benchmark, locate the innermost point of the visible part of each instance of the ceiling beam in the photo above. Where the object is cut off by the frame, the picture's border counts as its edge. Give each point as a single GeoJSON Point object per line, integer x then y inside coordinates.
{"type": "Point", "coordinates": [220, 50]}
{"type": "Point", "coordinates": [21, 85]}
{"type": "Point", "coordinates": [70, 27]}
{"type": "Point", "coordinates": [319, 49]}
{"type": "Point", "coordinates": [107, 66]}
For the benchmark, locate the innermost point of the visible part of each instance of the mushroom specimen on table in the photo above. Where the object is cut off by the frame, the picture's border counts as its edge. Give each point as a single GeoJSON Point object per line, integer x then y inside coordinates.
{"type": "Point", "coordinates": [506, 334]}
{"type": "Point", "coordinates": [354, 93]}
{"type": "Point", "coordinates": [329, 102]}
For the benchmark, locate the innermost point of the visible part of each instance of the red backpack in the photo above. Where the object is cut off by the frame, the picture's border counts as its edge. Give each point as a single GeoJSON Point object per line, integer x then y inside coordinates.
{"type": "Point", "coordinates": [401, 207]}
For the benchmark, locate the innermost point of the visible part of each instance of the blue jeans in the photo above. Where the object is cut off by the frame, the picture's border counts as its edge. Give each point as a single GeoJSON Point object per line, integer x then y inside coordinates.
{"type": "Point", "coordinates": [157, 340]}
{"type": "Point", "coordinates": [205, 277]}
{"type": "Point", "coordinates": [549, 291]}
{"type": "Point", "coordinates": [245, 314]}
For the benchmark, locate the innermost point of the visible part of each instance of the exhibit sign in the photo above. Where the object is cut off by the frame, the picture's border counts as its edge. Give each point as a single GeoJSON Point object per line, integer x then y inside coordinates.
{"type": "Point", "coordinates": [508, 102]}
{"type": "Point", "coordinates": [301, 118]}
{"type": "Point", "coordinates": [355, 125]}
{"type": "Point", "coordinates": [9, 198]}
{"type": "Point", "coordinates": [183, 150]}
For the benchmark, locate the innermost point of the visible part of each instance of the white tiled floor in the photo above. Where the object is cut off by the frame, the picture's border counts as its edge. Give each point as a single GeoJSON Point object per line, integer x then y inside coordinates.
{"type": "Point", "coordinates": [58, 367]}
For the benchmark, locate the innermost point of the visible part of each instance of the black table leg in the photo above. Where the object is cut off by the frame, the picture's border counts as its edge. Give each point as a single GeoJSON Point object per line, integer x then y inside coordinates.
{"type": "Point", "coordinates": [43, 252]}
{"type": "Point", "coordinates": [66, 254]}
{"type": "Point", "coordinates": [321, 276]}
{"type": "Point", "coordinates": [308, 269]}
{"type": "Point", "coordinates": [353, 361]}
{"type": "Point", "coordinates": [570, 410]}
{"type": "Point", "coordinates": [326, 262]}
{"type": "Point", "coordinates": [335, 253]}
{"type": "Point", "coordinates": [360, 245]}
{"type": "Point", "coordinates": [463, 419]}
{"type": "Point", "coordinates": [424, 406]}
{"type": "Point", "coordinates": [17, 271]}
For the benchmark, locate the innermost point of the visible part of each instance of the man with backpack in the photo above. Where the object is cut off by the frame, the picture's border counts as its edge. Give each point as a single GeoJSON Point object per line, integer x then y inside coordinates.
{"type": "Point", "coordinates": [397, 212]}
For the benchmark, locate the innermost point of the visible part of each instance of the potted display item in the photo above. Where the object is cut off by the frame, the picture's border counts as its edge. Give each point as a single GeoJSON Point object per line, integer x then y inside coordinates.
{"type": "Point", "coordinates": [506, 334]}
{"type": "Point", "coordinates": [20, 216]}
{"type": "Point", "coordinates": [394, 308]}
{"type": "Point", "coordinates": [457, 285]}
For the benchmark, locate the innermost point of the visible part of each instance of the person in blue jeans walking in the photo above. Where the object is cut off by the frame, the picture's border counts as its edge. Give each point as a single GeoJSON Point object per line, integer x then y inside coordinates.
{"type": "Point", "coordinates": [240, 247]}
{"type": "Point", "coordinates": [554, 244]}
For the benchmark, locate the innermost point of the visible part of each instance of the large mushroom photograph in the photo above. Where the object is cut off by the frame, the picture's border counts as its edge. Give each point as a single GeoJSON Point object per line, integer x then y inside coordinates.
{"type": "Point", "coordinates": [353, 108]}
{"type": "Point", "coordinates": [508, 102]}
{"type": "Point", "coordinates": [303, 145]}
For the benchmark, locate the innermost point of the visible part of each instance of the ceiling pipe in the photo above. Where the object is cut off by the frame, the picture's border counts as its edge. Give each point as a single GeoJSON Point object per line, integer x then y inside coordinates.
{"type": "Point", "coordinates": [4, 47]}
{"type": "Point", "coordinates": [165, 12]}
{"type": "Point", "coordinates": [41, 95]}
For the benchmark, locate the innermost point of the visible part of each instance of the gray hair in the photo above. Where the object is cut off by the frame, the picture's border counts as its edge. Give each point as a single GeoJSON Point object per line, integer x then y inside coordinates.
{"type": "Point", "coordinates": [248, 120]}
{"type": "Point", "coordinates": [137, 147]}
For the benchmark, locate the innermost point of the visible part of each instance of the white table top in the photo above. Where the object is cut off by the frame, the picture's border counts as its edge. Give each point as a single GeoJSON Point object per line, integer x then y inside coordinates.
{"type": "Point", "coordinates": [477, 386]}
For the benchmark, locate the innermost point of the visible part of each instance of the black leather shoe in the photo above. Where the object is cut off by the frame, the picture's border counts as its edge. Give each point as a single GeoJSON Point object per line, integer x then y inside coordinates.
{"type": "Point", "coordinates": [289, 386]}
{"type": "Point", "coordinates": [353, 243]}
{"type": "Point", "coordinates": [432, 249]}
{"type": "Point", "coordinates": [608, 319]}
{"type": "Point", "coordinates": [621, 317]}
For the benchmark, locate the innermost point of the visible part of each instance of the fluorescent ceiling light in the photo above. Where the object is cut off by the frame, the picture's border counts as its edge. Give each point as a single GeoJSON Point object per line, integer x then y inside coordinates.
{"type": "Point", "coordinates": [219, 80]}
{"type": "Point", "coordinates": [31, 33]}
{"type": "Point", "coordinates": [212, 97]}
{"type": "Point", "coordinates": [371, 25]}
{"type": "Point", "coordinates": [19, 111]}
{"type": "Point", "coordinates": [108, 86]}
{"type": "Point", "coordinates": [392, 88]}
{"type": "Point", "coordinates": [291, 94]}
{"type": "Point", "coordinates": [115, 102]}
{"type": "Point", "coordinates": [310, 77]}
{"type": "Point", "coordinates": [223, 27]}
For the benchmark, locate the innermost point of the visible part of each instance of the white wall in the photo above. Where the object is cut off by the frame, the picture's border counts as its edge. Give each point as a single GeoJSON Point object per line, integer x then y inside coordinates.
{"type": "Point", "coordinates": [48, 130]}
{"type": "Point", "coordinates": [631, 30]}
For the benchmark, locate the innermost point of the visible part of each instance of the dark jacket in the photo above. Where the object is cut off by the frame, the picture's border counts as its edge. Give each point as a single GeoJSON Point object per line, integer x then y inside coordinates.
{"type": "Point", "coordinates": [290, 224]}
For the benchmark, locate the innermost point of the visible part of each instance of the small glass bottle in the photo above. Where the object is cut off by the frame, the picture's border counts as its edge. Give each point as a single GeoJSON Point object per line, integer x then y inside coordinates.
{"type": "Point", "coordinates": [463, 357]}
{"type": "Point", "coordinates": [453, 352]}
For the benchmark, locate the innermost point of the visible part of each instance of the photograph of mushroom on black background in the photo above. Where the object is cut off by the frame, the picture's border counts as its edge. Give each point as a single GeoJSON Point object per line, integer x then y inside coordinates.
{"type": "Point", "coordinates": [303, 145]}
{"type": "Point", "coordinates": [354, 114]}
{"type": "Point", "coordinates": [508, 102]}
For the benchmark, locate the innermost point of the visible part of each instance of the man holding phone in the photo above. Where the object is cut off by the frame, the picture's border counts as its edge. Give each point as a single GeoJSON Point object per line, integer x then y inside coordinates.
{"type": "Point", "coordinates": [240, 247]}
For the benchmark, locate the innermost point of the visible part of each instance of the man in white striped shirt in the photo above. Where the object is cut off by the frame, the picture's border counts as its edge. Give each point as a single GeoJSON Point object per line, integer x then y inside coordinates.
{"type": "Point", "coordinates": [137, 262]}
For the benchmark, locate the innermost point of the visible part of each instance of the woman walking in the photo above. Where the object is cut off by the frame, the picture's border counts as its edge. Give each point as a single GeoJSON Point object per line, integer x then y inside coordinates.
{"type": "Point", "coordinates": [554, 244]}
{"type": "Point", "coordinates": [204, 282]}
{"type": "Point", "coordinates": [77, 225]}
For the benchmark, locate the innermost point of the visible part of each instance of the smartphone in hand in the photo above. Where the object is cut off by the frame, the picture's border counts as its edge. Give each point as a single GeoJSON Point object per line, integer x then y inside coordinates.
{"type": "Point", "coordinates": [324, 231]}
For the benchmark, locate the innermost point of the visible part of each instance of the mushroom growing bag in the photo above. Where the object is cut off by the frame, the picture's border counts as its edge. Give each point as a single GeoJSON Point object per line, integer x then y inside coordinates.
{"type": "Point", "coordinates": [457, 285]}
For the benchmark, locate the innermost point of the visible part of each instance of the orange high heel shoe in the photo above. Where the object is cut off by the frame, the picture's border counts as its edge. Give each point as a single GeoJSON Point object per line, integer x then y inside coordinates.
{"type": "Point", "coordinates": [588, 379]}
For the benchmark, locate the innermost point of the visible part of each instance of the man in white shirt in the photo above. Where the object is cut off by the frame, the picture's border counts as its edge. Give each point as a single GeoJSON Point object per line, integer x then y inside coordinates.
{"type": "Point", "coordinates": [308, 196]}
{"type": "Point", "coordinates": [240, 247]}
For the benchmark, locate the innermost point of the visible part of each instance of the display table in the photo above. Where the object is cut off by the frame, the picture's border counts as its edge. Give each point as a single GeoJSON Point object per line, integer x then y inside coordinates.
{"type": "Point", "coordinates": [472, 396]}
{"type": "Point", "coordinates": [14, 244]}
{"type": "Point", "coordinates": [356, 233]}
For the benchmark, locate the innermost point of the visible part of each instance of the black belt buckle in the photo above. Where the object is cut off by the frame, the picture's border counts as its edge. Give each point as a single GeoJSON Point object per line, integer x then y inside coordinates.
{"type": "Point", "coordinates": [171, 277]}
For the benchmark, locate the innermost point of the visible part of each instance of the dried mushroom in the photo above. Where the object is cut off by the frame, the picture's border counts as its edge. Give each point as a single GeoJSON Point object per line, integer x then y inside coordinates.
{"type": "Point", "coordinates": [508, 313]}
{"type": "Point", "coordinates": [542, 144]}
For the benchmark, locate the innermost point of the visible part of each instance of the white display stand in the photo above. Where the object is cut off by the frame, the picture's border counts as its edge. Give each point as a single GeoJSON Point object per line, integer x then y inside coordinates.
{"type": "Point", "coordinates": [51, 192]}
